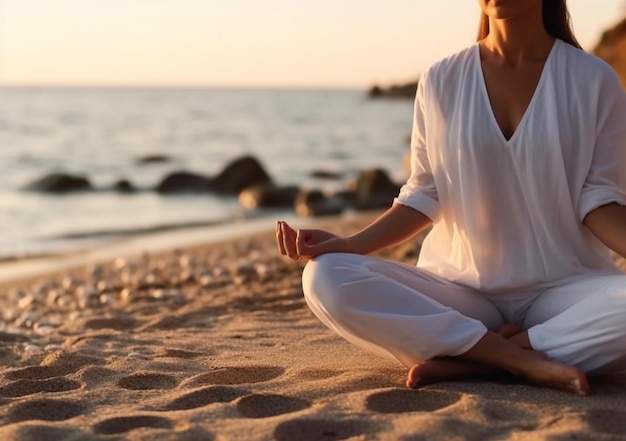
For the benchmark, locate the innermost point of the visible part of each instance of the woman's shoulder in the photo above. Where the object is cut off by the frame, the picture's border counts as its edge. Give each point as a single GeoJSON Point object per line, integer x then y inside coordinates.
{"type": "Point", "coordinates": [445, 69]}
{"type": "Point", "coordinates": [585, 65]}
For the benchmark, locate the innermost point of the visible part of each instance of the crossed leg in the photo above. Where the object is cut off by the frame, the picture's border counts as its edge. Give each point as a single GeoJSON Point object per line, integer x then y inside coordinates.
{"type": "Point", "coordinates": [441, 330]}
{"type": "Point", "coordinates": [498, 352]}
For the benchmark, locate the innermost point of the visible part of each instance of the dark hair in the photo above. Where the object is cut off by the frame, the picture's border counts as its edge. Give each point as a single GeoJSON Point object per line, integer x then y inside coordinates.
{"type": "Point", "coordinates": [556, 20]}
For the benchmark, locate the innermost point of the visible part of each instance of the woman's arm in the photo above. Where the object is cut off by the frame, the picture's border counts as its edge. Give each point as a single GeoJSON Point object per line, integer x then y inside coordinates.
{"type": "Point", "coordinates": [608, 224]}
{"type": "Point", "coordinates": [395, 225]}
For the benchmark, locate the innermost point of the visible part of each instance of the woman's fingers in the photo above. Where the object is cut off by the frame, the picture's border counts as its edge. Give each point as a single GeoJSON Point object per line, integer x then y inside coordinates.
{"type": "Point", "coordinates": [279, 239]}
{"type": "Point", "coordinates": [289, 240]}
{"type": "Point", "coordinates": [301, 246]}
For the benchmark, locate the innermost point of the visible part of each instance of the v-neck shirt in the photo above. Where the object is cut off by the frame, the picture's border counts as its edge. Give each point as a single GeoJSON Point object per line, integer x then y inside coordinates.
{"type": "Point", "coordinates": [538, 86]}
{"type": "Point", "coordinates": [507, 214]}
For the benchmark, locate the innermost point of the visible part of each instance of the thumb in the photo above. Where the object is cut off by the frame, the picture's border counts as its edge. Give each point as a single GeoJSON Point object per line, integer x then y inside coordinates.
{"type": "Point", "coordinates": [301, 246]}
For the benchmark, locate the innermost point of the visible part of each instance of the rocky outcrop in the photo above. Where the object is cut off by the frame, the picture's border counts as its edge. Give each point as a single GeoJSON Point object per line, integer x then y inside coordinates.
{"type": "Point", "coordinates": [314, 203]}
{"type": "Point", "coordinates": [374, 189]}
{"type": "Point", "coordinates": [612, 49]}
{"type": "Point", "coordinates": [240, 174]}
{"type": "Point", "coordinates": [268, 196]}
{"type": "Point", "coordinates": [234, 178]}
{"type": "Point", "coordinates": [406, 90]}
{"type": "Point", "coordinates": [153, 159]}
{"type": "Point", "coordinates": [59, 183]}
{"type": "Point", "coordinates": [184, 182]}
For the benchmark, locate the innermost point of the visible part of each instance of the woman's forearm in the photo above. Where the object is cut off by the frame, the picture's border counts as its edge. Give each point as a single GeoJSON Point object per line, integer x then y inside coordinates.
{"type": "Point", "coordinates": [608, 224]}
{"type": "Point", "coordinates": [395, 225]}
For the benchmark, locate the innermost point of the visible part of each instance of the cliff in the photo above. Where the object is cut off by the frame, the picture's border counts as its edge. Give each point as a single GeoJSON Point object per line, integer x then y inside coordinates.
{"type": "Point", "coordinates": [612, 49]}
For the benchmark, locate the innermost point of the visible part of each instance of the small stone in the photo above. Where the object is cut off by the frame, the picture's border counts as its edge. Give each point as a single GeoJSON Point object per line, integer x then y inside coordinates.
{"type": "Point", "coordinates": [187, 276]}
{"type": "Point", "coordinates": [219, 271]}
{"type": "Point", "coordinates": [43, 329]}
{"type": "Point", "coordinates": [255, 255]}
{"type": "Point", "coordinates": [95, 271]}
{"type": "Point", "coordinates": [106, 299]}
{"type": "Point", "coordinates": [125, 294]}
{"type": "Point", "coordinates": [262, 270]}
{"type": "Point", "coordinates": [65, 302]}
{"type": "Point", "coordinates": [186, 261]}
{"type": "Point", "coordinates": [245, 268]}
{"type": "Point", "coordinates": [33, 349]}
{"type": "Point", "coordinates": [126, 276]}
{"type": "Point", "coordinates": [67, 282]}
{"type": "Point", "coordinates": [150, 278]}
{"type": "Point", "coordinates": [27, 319]}
{"type": "Point", "coordinates": [25, 302]}
{"type": "Point", "coordinates": [102, 285]}
{"type": "Point", "coordinates": [52, 297]}
{"type": "Point", "coordinates": [53, 347]}
{"type": "Point", "coordinates": [119, 263]}
{"type": "Point", "coordinates": [206, 281]}
{"type": "Point", "coordinates": [10, 314]}
{"type": "Point", "coordinates": [86, 296]}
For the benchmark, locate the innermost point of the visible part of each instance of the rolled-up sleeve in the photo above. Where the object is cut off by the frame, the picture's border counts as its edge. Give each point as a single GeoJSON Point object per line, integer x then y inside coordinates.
{"type": "Point", "coordinates": [420, 192]}
{"type": "Point", "coordinates": [606, 178]}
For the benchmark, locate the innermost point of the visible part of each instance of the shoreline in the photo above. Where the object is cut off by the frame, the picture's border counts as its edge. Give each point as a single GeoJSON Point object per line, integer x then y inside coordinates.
{"type": "Point", "coordinates": [12, 270]}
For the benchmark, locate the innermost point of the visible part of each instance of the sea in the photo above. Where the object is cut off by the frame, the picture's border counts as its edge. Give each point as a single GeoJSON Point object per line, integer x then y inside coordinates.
{"type": "Point", "coordinates": [102, 133]}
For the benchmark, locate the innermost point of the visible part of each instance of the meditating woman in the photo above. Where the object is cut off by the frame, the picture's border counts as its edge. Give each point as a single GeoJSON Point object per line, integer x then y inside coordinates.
{"type": "Point", "coordinates": [518, 163]}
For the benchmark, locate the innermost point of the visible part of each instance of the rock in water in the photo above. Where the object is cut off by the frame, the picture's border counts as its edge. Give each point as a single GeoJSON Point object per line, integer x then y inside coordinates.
{"type": "Point", "coordinates": [268, 196]}
{"type": "Point", "coordinates": [59, 183]}
{"type": "Point", "coordinates": [314, 203]}
{"type": "Point", "coordinates": [374, 189]}
{"type": "Point", "coordinates": [240, 174]}
{"type": "Point", "coordinates": [184, 182]}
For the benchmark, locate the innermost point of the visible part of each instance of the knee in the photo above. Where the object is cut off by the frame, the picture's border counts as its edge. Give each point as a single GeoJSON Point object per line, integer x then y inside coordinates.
{"type": "Point", "coordinates": [318, 274]}
{"type": "Point", "coordinates": [321, 280]}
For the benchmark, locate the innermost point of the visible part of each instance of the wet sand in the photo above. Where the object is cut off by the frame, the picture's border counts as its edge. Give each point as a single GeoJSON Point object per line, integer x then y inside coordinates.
{"type": "Point", "coordinates": [215, 342]}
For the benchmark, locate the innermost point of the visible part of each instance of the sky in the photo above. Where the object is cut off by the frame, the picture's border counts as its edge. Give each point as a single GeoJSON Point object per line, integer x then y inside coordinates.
{"type": "Point", "coordinates": [250, 43]}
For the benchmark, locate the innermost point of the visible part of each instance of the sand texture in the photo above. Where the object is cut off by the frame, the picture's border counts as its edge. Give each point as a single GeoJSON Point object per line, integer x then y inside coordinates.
{"type": "Point", "coordinates": [216, 343]}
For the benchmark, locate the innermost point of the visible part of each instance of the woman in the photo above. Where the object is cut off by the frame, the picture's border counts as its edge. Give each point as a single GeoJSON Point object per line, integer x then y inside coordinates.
{"type": "Point", "coordinates": [517, 163]}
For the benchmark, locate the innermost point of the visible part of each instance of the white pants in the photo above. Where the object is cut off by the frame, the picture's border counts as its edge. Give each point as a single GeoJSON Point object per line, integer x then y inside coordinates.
{"type": "Point", "coordinates": [410, 315]}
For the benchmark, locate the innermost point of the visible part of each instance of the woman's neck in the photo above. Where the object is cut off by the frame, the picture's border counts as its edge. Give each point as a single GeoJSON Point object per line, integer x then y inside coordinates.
{"type": "Point", "coordinates": [519, 39]}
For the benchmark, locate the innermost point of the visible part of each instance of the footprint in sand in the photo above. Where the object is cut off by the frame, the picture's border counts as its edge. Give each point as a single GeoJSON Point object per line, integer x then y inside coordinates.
{"type": "Point", "coordinates": [317, 374]}
{"type": "Point", "coordinates": [44, 409]}
{"type": "Point", "coordinates": [21, 388]}
{"type": "Point", "coordinates": [444, 428]}
{"type": "Point", "coordinates": [315, 430]}
{"type": "Point", "coordinates": [115, 323]}
{"type": "Point", "coordinates": [95, 375]}
{"type": "Point", "coordinates": [164, 324]}
{"type": "Point", "coordinates": [41, 432]}
{"type": "Point", "coordinates": [607, 421]}
{"type": "Point", "coordinates": [236, 375]}
{"type": "Point", "coordinates": [126, 424]}
{"type": "Point", "coordinates": [147, 381]}
{"type": "Point", "coordinates": [203, 397]}
{"type": "Point", "coordinates": [404, 400]}
{"type": "Point", "coordinates": [268, 405]}
{"type": "Point", "coordinates": [54, 365]}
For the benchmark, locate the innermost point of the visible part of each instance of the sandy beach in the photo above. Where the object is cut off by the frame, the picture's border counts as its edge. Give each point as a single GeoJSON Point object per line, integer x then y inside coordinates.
{"type": "Point", "coordinates": [215, 342]}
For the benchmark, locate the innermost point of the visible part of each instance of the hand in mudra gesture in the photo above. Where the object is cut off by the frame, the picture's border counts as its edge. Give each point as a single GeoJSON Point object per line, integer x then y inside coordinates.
{"type": "Point", "coordinates": [304, 244]}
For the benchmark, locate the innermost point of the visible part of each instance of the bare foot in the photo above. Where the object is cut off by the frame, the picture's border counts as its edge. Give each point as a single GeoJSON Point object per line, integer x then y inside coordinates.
{"type": "Point", "coordinates": [447, 369]}
{"type": "Point", "coordinates": [538, 369]}
{"type": "Point", "coordinates": [452, 368]}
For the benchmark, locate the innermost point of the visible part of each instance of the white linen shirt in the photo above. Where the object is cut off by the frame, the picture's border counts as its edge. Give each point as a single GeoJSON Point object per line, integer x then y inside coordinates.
{"type": "Point", "coordinates": [507, 214]}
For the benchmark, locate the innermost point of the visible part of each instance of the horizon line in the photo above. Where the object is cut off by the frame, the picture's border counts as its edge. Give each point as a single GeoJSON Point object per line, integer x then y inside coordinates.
{"type": "Point", "coordinates": [130, 85]}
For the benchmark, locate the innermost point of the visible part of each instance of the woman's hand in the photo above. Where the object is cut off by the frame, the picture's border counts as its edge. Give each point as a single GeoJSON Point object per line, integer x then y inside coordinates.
{"type": "Point", "coordinates": [307, 244]}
